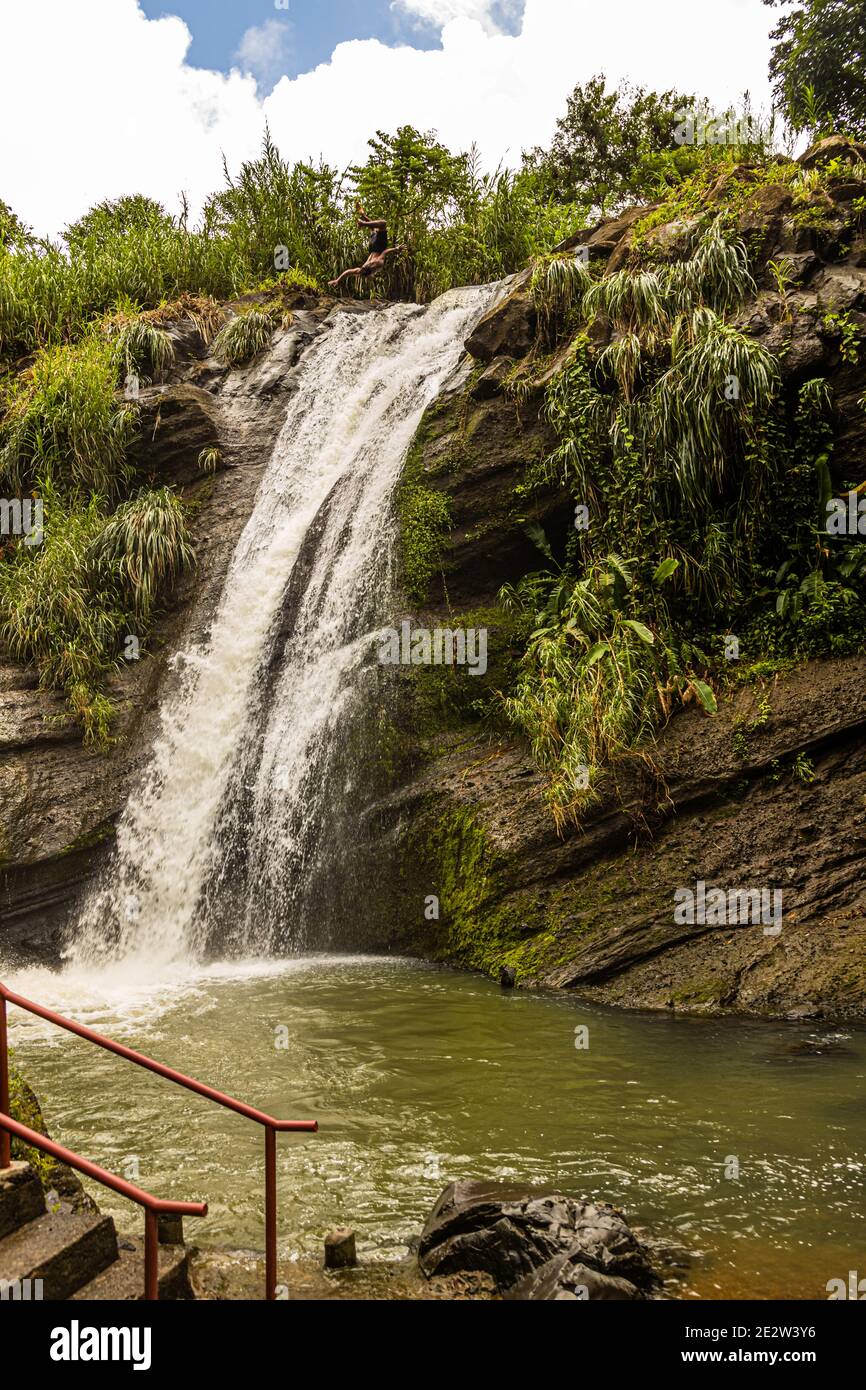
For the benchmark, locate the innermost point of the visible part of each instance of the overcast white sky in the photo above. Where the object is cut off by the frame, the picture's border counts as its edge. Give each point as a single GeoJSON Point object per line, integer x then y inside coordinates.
{"type": "Point", "coordinates": [96, 100]}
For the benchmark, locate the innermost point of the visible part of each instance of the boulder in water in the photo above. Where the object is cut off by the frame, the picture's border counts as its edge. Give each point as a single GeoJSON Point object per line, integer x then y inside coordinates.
{"type": "Point", "coordinates": [340, 1249]}
{"type": "Point", "coordinates": [535, 1244]}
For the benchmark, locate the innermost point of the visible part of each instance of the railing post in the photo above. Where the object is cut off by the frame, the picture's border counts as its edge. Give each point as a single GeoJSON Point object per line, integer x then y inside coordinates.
{"type": "Point", "coordinates": [151, 1255]}
{"type": "Point", "coordinates": [5, 1136]}
{"type": "Point", "coordinates": [270, 1213]}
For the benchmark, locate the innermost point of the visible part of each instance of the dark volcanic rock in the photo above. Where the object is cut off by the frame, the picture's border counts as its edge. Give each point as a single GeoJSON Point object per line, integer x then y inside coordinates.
{"type": "Point", "coordinates": [567, 1278]}
{"type": "Point", "coordinates": [508, 330]}
{"type": "Point", "coordinates": [833, 147]}
{"type": "Point", "coordinates": [536, 1245]}
{"type": "Point", "coordinates": [177, 423]}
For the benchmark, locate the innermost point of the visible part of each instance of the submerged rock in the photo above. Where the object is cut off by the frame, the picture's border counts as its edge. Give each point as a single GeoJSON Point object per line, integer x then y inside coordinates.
{"type": "Point", "coordinates": [535, 1244]}
{"type": "Point", "coordinates": [340, 1249]}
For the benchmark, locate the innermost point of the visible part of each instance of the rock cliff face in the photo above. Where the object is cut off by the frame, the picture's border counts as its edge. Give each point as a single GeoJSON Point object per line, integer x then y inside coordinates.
{"type": "Point", "coordinates": [466, 864]}
{"type": "Point", "coordinates": [485, 880]}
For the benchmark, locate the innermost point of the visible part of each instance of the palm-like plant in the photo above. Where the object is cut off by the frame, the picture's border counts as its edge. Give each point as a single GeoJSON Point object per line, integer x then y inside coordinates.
{"type": "Point", "coordinates": [145, 544]}
{"type": "Point", "coordinates": [243, 338]}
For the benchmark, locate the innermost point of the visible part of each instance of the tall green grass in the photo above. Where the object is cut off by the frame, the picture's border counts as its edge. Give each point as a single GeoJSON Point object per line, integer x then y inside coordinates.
{"type": "Point", "coordinates": [68, 604]}
{"type": "Point", "coordinates": [62, 421]}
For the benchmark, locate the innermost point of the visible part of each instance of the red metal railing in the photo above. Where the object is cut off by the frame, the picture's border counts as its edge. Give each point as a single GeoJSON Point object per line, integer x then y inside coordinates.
{"type": "Point", "coordinates": [271, 1126]}
{"type": "Point", "coordinates": [153, 1206]}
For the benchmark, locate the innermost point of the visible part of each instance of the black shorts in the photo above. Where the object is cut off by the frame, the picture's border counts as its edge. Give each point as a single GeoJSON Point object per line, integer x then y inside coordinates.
{"type": "Point", "coordinates": [379, 242]}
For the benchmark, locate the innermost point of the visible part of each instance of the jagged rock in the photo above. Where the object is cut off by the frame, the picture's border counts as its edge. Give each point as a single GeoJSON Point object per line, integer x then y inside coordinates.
{"type": "Point", "coordinates": [606, 235]}
{"type": "Point", "coordinates": [841, 287]}
{"type": "Point", "coordinates": [833, 147]}
{"type": "Point", "coordinates": [177, 422]}
{"type": "Point", "coordinates": [566, 1278]}
{"type": "Point", "coordinates": [666, 242]}
{"type": "Point", "coordinates": [534, 1244]}
{"type": "Point", "coordinates": [492, 381]}
{"type": "Point", "coordinates": [508, 330]}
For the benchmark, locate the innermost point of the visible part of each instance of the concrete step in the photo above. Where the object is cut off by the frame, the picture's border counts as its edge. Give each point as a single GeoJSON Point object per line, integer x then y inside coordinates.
{"type": "Point", "coordinates": [64, 1249]}
{"type": "Point", "coordinates": [124, 1279]}
{"type": "Point", "coordinates": [21, 1197]}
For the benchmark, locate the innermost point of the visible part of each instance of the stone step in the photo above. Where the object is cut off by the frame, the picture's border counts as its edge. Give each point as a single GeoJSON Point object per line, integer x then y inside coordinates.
{"type": "Point", "coordinates": [124, 1279]}
{"type": "Point", "coordinates": [21, 1197]}
{"type": "Point", "coordinates": [64, 1249]}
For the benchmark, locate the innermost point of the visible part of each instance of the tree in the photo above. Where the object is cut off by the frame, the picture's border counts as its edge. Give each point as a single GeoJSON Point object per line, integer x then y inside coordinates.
{"type": "Point", "coordinates": [13, 232]}
{"type": "Point", "coordinates": [818, 66]}
{"type": "Point", "coordinates": [116, 217]}
{"type": "Point", "coordinates": [603, 142]}
{"type": "Point", "coordinates": [412, 180]}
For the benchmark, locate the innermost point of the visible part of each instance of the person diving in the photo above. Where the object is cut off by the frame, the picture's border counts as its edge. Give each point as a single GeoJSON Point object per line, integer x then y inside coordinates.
{"type": "Point", "coordinates": [378, 252]}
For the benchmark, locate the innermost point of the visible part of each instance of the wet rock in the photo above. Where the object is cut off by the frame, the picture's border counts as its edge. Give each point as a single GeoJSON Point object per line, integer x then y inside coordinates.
{"type": "Point", "coordinates": [508, 977]}
{"type": "Point", "coordinates": [567, 1279]}
{"type": "Point", "coordinates": [492, 381]}
{"type": "Point", "coordinates": [508, 329]}
{"type": "Point", "coordinates": [340, 1249]}
{"type": "Point", "coordinates": [176, 424]}
{"type": "Point", "coordinates": [535, 1244]}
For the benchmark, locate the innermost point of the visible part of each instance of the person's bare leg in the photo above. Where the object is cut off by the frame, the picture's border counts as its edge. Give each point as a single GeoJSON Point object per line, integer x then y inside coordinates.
{"type": "Point", "coordinates": [332, 284]}
{"type": "Point", "coordinates": [364, 221]}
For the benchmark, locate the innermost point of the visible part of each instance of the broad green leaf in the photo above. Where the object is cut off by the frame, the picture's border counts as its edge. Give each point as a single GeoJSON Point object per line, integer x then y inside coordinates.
{"type": "Point", "coordinates": [596, 653]}
{"type": "Point", "coordinates": [642, 631]}
{"type": "Point", "coordinates": [705, 695]}
{"type": "Point", "coordinates": [665, 570]}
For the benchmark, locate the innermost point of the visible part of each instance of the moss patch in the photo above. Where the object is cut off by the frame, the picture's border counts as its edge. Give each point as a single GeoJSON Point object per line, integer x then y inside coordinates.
{"type": "Point", "coordinates": [425, 521]}
{"type": "Point", "coordinates": [25, 1109]}
{"type": "Point", "coordinates": [483, 922]}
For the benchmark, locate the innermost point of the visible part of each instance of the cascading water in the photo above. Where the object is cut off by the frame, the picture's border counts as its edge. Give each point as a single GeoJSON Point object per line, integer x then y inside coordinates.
{"type": "Point", "coordinates": [216, 847]}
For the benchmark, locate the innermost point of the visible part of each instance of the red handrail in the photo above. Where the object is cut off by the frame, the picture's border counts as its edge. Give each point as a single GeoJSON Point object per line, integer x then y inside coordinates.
{"type": "Point", "coordinates": [271, 1126]}
{"type": "Point", "coordinates": [152, 1205]}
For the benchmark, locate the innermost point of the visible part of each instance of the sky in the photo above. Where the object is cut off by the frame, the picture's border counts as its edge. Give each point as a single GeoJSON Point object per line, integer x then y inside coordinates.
{"type": "Point", "coordinates": [100, 98]}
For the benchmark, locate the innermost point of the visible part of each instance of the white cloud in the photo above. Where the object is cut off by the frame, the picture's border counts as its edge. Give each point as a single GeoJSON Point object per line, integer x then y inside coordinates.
{"type": "Point", "coordinates": [493, 15]}
{"type": "Point", "coordinates": [265, 51]}
{"type": "Point", "coordinates": [97, 101]}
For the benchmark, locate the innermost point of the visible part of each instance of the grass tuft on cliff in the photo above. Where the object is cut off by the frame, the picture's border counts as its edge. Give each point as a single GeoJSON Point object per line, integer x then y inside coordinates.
{"type": "Point", "coordinates": [71, 604]}
{"type": "Point", "coordinates": [243, 337]}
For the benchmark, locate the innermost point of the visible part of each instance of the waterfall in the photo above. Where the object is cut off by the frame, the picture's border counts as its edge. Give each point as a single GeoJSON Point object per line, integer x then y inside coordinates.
{"type": "Point", "coordinates": [216, 846]}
